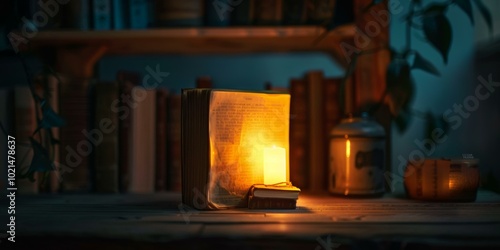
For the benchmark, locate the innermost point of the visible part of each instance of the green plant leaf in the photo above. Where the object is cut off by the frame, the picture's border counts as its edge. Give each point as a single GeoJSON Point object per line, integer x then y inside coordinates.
{"type": "Point", "coordinates": [437, 30]}
{"type": "Point", "coordinates": [399, 84]}
{"type": "Point", "coordinates": [466, 6]}
{"type": "Point", "coordinates": [50, 118]}
{"type": "Point", "coordinates": [421, 63]}
{"type": "Point", "coordinates": [485, 13]}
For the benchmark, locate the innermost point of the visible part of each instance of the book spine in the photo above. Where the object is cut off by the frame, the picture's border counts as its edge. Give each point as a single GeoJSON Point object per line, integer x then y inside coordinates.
{"type": "Point", "coordinates": [331, 114]}
{"type": "Point", "coordinates": [174, 13]}
{"type": "Point", "coordinates": [25, 125]}
{"type": "Point", "coordinates": [76, 15]}
{"type": "Point", "coordinates": [75, 145]}
{"type": "Point", "coordinates": [294, 12]}
{"type": "Point", "coordinates": [320, 12]}
{"type": "Point", "coordinates": [268, 12]}
{"type": "Point", "coordinates": [119, 14]}
{"type": "Point", "coordinates": [243, 14]}
{"type": "Point", "coordinates": [271, 203]}
{"type": "Point", "coordinates": [298, 134]}
{"type": "Point", "coordinates": [217, 13]}
{"type": "Point", "coordinates": [174, 137]}
{"type": "Point", "coordinates": [125, 88]}
{"type": "Point", "coordinates": [138, 14]}
{"type": "Point", "coordinates": [142, 151]}
{"type": "Point", "coordinates": [101, 14]}
{"type": "Point", "coordinates": [317, 166]}
{"type": "Point", "coordinates": [106, 152]}
{"type": "Point", "coordinates": [161, 140]}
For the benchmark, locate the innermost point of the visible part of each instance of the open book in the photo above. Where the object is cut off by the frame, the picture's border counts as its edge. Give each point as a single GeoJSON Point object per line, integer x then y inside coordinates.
{"type": "Point", "coordinates": [228, 137]}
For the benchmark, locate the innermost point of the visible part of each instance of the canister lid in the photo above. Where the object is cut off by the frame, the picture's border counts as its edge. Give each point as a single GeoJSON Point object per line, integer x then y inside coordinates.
{"type": "Point", "coordinates": [358, 126]}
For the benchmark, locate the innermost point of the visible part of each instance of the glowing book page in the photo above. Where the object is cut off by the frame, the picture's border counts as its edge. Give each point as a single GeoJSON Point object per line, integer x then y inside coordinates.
{"type": "Point", "coordinates": [241, 126]}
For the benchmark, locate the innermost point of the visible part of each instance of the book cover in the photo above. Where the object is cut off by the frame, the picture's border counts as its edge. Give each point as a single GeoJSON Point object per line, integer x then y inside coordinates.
{"type": "Point", "coordinates": [230, 141]}
{"type": "Point", "coordinates": [285, 191]}
{"type": "Point", "coordinates": [282, 196]}
{"type": "Point", "coordinates": [106, 127]}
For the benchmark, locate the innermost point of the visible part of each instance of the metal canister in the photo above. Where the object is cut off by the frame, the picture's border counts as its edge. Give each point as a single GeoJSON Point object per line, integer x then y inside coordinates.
{"type": "Point", "coordinates": [357, 152]}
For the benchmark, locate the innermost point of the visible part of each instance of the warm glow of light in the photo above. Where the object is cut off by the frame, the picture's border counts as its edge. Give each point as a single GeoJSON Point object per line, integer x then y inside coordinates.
{"type": "Point", "coordinates": [274, 165]}
{"type": "Point", "coordinates": [347, 155]}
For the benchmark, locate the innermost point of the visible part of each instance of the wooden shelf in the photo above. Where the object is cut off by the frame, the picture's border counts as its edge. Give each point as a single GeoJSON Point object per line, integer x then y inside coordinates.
{"type": "Point", "coordinates": [201, 40]}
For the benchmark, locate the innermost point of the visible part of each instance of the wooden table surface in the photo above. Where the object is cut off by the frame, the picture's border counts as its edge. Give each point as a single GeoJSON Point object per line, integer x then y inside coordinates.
{"type": "Point", "coordinates": [160, 221]}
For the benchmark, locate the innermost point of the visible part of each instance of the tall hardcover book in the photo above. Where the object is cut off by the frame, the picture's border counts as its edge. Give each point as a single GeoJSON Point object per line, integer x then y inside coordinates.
{"type": "Point", "coordinates": [174, 143]}
{"type": "Point", "coordinates": [106, 127]}
{"type": "Point", "coordinates": [119, 14]}
{"type": "Point", "coordinates": [317, 164]}
{"type": "Point", "coordinates": [268, 12]}
{"type": "Point", "coordinates": [25, 125]}
{"type": "Point", "coordinates": [101, 15]}
{"type": "Point", "coordinates": [299, 143]}
{"type": "Point", "coordinates": [126, 81]}
{"type": "Point", "coordinates": [75, 144]}
{"type": "Point", "coordinates": [161, 140]}
{"type": "Point", "coordinates": [142, 149]}
{"type": "Point", "coordinates": [231, 140]}
{"type": "Point", "coordinates": [174, 13]}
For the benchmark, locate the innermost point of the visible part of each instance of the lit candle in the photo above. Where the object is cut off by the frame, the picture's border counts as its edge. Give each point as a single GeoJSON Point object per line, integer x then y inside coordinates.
{"type": "Point", "coordinates": [274, 165]}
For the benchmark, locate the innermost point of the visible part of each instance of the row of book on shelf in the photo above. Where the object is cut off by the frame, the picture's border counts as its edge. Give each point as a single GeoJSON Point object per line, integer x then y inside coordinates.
{"type": "Point", "coordinates": [141, 14]}
{"type": "Point", "coordinates": [121, 137]}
